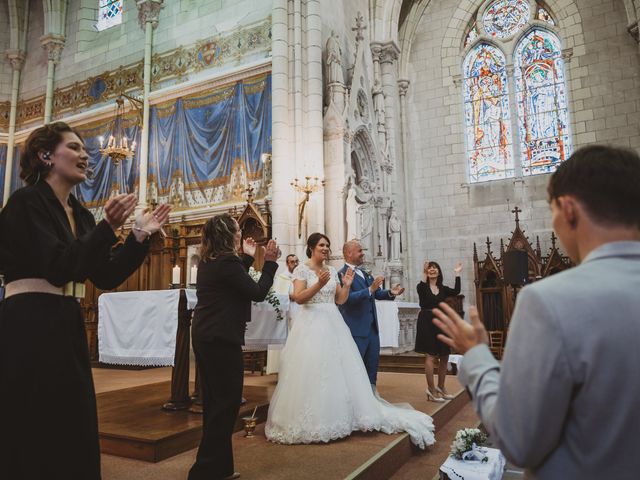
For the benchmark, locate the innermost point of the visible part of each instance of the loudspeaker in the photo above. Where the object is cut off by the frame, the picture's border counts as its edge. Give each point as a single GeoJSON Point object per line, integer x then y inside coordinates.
{"type": "Point", "coordinates": [515, 267]}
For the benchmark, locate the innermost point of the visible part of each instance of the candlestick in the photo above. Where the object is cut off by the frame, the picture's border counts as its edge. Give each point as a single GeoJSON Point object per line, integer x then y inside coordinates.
{"type": "Point", "coordinates": [194, 275]}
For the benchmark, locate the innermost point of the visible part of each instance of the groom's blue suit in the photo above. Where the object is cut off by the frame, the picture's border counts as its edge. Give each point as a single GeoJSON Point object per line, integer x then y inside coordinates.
{"type": "Point", "coordinates": [359, 312]}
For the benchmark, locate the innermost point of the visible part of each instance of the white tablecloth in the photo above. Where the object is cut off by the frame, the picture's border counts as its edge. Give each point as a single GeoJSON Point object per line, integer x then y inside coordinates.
{"type": "Point", "coordinates": [491, 470]}
{"type": "Point", "coordinates": [139, 328]}
{"type": "Point", "coordinates": [388, 322]}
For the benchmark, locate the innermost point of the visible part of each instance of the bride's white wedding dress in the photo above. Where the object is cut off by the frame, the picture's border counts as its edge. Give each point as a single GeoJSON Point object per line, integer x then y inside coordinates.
{"type": "Point", "coordinates": [323, 390]}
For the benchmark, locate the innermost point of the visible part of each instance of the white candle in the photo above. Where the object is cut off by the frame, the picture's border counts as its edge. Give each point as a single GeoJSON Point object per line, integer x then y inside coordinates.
{"type": "Point", "coordinates": [175, 275]}
{"type": "Point", "coordinates": [194, 274]}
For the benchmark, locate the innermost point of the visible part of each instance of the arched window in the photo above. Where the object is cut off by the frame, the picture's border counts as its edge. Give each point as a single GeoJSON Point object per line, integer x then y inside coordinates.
{"type": "Point", "coordinates": [486, 110]}
{"type": "Point", "coordinates": [109, 13]}
{"type": "Point", "coordinates": [542, 102]}
{"type": "Point", "coordinates": [540, 92]}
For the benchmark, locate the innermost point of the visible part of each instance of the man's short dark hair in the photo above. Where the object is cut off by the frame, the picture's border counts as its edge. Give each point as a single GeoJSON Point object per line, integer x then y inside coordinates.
{"type": "Point", "coordinates": [289, 256]}
{"type": "Point", "coordinates": [605, 179]}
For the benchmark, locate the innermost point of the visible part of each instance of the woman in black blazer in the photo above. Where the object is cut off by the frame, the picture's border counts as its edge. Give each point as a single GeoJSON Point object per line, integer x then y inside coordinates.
{"type": "Point", "coordinates": [225, 292]}
{"type": "Point", "coordinates": [432, 291]}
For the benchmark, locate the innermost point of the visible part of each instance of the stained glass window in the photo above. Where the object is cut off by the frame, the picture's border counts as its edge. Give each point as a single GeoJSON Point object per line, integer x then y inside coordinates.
{"type": "Point", "coordinates": [544, 16]}
{"type": "Point", "coordinates": [109, 13]}
{"type": "Point", "coordinates": [504, 18]}
{"type": "Point", "coordinates": [542, 102]}
{"type": "Point", "coordinates": [472, 34]}
{"type": "Point", "coordinates": [487, 118]}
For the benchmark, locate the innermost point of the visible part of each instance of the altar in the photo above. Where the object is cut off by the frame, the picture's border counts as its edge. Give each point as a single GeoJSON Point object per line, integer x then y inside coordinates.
{"type": "Point", "coordinates": [153, 328]}
{"type": "Point", "coordinates": [140, 328]}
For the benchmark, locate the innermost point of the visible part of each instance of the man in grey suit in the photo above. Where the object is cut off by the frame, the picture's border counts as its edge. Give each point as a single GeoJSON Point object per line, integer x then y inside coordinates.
{"type": "Point", "coordinates": [565, 402]}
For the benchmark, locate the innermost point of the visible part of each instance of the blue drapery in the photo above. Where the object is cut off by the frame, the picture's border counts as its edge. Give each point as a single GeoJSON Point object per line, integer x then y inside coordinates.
{"type": "Point", "coordinates": [197, 145]}
{"type": "Point", "coordinates": [16, 182]}
{"type": "Point", "coordinates": [196, 142]}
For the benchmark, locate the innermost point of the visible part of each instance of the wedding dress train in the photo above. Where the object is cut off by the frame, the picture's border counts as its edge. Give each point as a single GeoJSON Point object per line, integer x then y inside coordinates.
{"type": "Point", "coordinates": [323, 390]}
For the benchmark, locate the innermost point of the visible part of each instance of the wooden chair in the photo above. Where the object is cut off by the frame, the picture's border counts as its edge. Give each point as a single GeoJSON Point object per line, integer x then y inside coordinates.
{"type": "Point", "coordinates": [496, 343]}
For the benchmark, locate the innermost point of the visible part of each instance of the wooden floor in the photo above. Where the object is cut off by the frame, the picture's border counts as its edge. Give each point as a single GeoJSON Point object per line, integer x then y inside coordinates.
{"type": "Point", "coordinates": [132, 423]}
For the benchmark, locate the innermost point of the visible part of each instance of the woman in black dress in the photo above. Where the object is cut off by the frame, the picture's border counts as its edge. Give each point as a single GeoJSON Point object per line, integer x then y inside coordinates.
{"type": "Point", "coordinates": [225, 292]}
{"type": "Point", "coordinates": [49, 245]}
{"type": "Point", "coordinates": [431, 292]}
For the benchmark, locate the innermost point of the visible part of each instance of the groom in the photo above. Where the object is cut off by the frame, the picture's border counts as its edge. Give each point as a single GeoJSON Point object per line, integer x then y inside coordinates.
{"type": "Point", "coordinates": [359, 311]}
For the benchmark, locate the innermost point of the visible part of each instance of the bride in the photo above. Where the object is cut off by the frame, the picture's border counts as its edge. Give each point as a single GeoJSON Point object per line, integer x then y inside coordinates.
{"type": "Point", "coordinates": [323, 391]}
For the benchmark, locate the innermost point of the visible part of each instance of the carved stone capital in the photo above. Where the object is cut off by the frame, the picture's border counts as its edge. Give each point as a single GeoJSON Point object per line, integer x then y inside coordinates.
{"type": "Point", "coordinates": [567, 54]}
{"type": "Point", "coordinates": [53, 44]}
{"type": "Point", "coordinates": [388, 52]}
{"type": "Point", "coordinates": [149, 11]}
{"type": "Point", "coordinates": [403, 86]}
{"type": "Point", "coordinates": [15, 58]}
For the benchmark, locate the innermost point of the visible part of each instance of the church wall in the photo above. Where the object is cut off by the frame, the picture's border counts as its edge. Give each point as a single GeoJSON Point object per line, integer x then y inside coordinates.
{"type": "Point", "coordinates": [449, 215]}
{"type": "Point", "coordinates": [88, 52]}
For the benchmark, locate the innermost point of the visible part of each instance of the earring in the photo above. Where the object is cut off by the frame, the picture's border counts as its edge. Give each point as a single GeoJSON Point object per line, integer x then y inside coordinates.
{"type": "Point", "coordinates": [47, 159]}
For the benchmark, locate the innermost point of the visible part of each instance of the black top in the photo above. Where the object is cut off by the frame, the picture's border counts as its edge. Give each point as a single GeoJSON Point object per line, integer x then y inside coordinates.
{"type": "Point", "coordinates": [225, 292]}
{"type": "Point", "coordinates": [429, 301]}
{"type": "Point", "coordinates": [36, 241]}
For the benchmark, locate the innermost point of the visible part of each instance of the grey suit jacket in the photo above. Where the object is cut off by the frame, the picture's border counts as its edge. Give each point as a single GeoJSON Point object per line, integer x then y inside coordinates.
{"type": "Point", "coordinates": [565, 403]}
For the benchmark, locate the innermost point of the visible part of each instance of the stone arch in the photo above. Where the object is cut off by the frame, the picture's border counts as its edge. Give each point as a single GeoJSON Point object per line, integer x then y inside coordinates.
{"type": "Point", "coordinates": [385, 17]}
{"type": "Point", "coordinates": [363, 159]}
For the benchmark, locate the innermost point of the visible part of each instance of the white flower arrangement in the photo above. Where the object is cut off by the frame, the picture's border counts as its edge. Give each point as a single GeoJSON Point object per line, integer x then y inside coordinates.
{"type": "Point", "coordinates": [467, 442]}
{"type": "Point", "coordinates": [271, 297]}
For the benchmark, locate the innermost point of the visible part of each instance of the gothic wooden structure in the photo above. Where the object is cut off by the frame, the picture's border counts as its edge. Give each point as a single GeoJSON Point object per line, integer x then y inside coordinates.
{"type": "Point", "coordinates": [495, 298]}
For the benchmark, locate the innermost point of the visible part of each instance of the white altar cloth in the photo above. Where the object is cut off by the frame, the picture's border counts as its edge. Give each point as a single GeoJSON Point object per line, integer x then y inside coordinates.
{"type": "Point", "coordinates": [388, 322]}
{"type": "Point", "coordinates": [139, 328]}
{"type": "Point", "coordinates": [459, 470]}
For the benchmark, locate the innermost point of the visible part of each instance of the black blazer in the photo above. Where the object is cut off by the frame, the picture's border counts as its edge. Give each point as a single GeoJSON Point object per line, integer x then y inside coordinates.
{"type": "Point", "coordinates": [430, 301]}
{"type": "Point", "coordinates": [36, 241]}
{"type": "Point", "coordinates": [225, 292]}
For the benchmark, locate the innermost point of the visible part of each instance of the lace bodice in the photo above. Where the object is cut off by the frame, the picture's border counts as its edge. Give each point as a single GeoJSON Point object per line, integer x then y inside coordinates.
{"type": "Point", "coordinates": [328, 293]}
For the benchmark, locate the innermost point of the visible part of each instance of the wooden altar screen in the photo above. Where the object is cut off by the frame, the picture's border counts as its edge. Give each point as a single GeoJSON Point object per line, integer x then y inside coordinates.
{"type": "Point", "coordinates": [495, 298]}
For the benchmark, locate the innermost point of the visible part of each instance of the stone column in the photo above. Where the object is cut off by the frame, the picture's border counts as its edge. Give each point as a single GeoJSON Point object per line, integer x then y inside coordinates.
{"type": "Point", "coordinates": [403, 86]}
{"type": "Point", "coordinates": [148, 14]}
{"type": "Point", "coordinates": [53, 44]}
{"type": "Point", "coordinates": [283, 218]}
{"type": "Point", "coordinates": [313, 136]}
{"type": "Point", "coordinates": [16, 58]}
{"type": "Point", "coordinates": [388, 64]}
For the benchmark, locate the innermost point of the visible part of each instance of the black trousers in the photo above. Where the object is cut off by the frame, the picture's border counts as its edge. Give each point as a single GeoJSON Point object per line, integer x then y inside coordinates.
{"type": "Point", "coordinates": [221, 376]}
{"type": "Point", "coordinates": [48, 420]}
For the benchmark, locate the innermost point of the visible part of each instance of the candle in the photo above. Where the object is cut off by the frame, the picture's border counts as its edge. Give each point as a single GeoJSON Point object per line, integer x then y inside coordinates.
{"type": "Point", "coordinates": [175, 275]}
{"type": "Point", "coordinates": [194, 274]}
{"type": "Point", "coordinates": [133, 146]}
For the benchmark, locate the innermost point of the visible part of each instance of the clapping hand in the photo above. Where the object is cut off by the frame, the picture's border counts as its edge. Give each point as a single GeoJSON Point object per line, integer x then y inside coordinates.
{"type": "Point", "coordinates": [118, 209]}
{"type": "Point", "coordinates": [457, 333]}
{"type": "Point", "coordinates": [323, 277]}
{"type": "Point", "coordinates": [458, 269]}
{"type": "Point", "coordinates": [249, 246]}
{"type": "Point", "coordinates": [271, 252]}
{"type": "Point", "coordinates": [347, 277]}
{"type": "Point", "coordinates": [396, 290]}
{"type": "Point", "coordinates": [377, 283]}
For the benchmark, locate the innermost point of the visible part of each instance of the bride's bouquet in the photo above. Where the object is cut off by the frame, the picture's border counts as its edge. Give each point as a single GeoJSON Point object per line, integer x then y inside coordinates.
{"type": "Point", "coordinates": [466, 445]}
{"type": "Point", "coordinates": [271, 297]}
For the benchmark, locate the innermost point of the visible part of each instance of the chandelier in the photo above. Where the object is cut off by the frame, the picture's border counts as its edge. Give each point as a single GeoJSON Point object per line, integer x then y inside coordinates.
{"type": "Point", "coordinates": [117, 147]}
